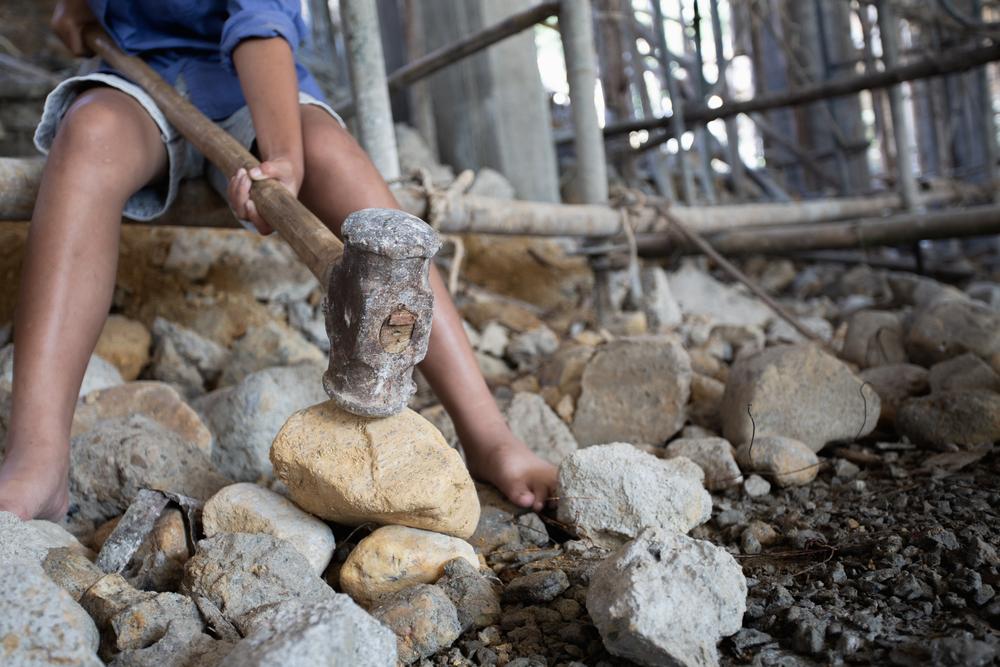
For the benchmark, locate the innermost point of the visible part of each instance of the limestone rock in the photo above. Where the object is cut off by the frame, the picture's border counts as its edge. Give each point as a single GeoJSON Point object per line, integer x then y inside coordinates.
{"type": "Point", "coordinates": [963, 372]}
{"type": "Point", "coordinates": [780, 331]}
{"type": "Point", "coordinates": [564, 369]}
{"type": "Point", "coordinates": [109, 464]}
{"type": "Point", "coordinates": [894, 385]}
{"type": "Point", "coordinates": [496, 529]}
{"type": "Point", "coordinates": [423, 618]}
{"type": "Point", "coordinates": [947, 328]}
{"type": "Point", "coordinates": [713, 455]}
{"type": "Point", "coordinates": [40, 624]}
{"type": "Point", "coordinates": [397, 470]}
{"type": "Point", "coordinates": [963, 418]}
{"type": "Point", "coordinates": [176, 649]}
{"type": "Point", "coordinates": [698, 293]}
{"type": "Point", "coordinates": [527, 349]}
{"type": "Point", "coordinates": [706, 400]}
{"type": "Point", "coordinates": [634, 390]}
{"type": "Point", "coordinates": [610, 493]}
{"type": "Point", "coordinates": [493, 339]}
{"type": "Point", "coordinates": [658, 302]}
{"type": "Point", "coordinates": [541, 586]}
{"type": "Point", "coordinates": [272, 344]}
{"type": "Point", "coordinates": [329, 631]}
{"type": "Point", "coordinates": [799, 392]}
{"type": "Point", "coordinates": [100, 373]}
{"type": "Point", "coordinates": [533, 421]}
{"type": "Point", "coordinates": [125, 343]}
{"type": "Point", "coordinates": [71, 570]}
{"type": "Point", "coordinates": [784, 461]}
{"type": "Point", "coordinates": [30, 541]}
{"type": "Point", "coordinates": [473, 595]}
{"type": "Point", "coordinates": [141, 624]}
{"type": "Point", "coordinates": [874, 338]}
{"type": "Point", "coordinates": [246, 417]}
{"type": "Point", "coordinates": [184, 357]}
{"type": "Point", "coordinates": [155, 400]}
{"type": "Point", "coordinates": [158, 563]}
{"type": "Point", "coordinates": [756, 486]}
{"type": "Point", "coordinates": [394, 557]}
{"type": "Point", "coordinates": [665, 598]}
{"type": "Point", "coordinates": [246, 574]}
{"type": "Point", "coordinates": [248, 508]}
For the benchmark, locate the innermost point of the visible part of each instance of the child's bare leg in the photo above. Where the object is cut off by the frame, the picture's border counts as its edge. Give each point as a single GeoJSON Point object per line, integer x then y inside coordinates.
{"type": "Point", "coordinates": [340, 179]}
{"type": "Point", "coordinates": [107, 147]}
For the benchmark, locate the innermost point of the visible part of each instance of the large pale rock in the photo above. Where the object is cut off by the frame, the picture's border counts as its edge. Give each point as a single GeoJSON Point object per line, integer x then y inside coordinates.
{"type": "Point", "coordinates": [963, 372]}
{"type": "Point", "coordinates": [874, 338]}
{"type": "Point", "coordinates": [634, 390]}
{"type": "Point", "coordinates": [100, 373]}
{"type": "Point", "coordinates": [40, 624]}
{"type": "Point", "coordinates": [248, 508]}
{"type": "Point", "coordinates": [394, 557]}
{"type": "Point", "coordinates": [397, 470]}
{"type": "Point", "coordinates": [423, 618]}
{"type": "Point", "coordinates": [799, 392]}
{"type": "Point", "coordinates": [947, 328]}
{"type": "Point", "coordinates": [658, 302]}
{"type": "Point", "coordinates": [963, 418]}
{"type": "Point", "coordinates": [125, 343]}
{"type": "Point", "coordinates": [894, 385]}
{"type": "Point", "coordinates": [667, 599]}
{"type": "Point", "coordinates": [698, 293]}
{"type": "Point", "coordinates": [155, 400]}
{"type": "Point", "coordinates": [713, 455]}
{"type": "Point", "coordinates": [329, 631]}
{"type": "Point", "coordinates": [533, 421]}
{"type": "Point", "coordinates": [273, 344]}
{"type": "Point", "coordinates": [245, 575]}
{"type": "Point", "coordinates": [111, 462]}
{"type": "Point", "coordinates": [30, 541]}
{"type": "Point", "coordinates": [784, 461]}
{"type": "Point", "coordinates": [246, 417]}
{"type": "Point", "coordinates": [610, 493]}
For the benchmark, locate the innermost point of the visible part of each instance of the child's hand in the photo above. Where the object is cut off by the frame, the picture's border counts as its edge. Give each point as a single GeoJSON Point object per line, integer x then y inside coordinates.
{"type": "Point", "coordinates": [68, 20]}
{"type": "Point", "coordinates": [280, 169]}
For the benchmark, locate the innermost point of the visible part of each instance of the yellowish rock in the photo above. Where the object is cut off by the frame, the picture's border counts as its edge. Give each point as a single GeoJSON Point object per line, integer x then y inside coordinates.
{"type": "Point", "coordinates": [398, 470]}
{"type": "Point", "coordinates": [125, 343]}
{"type": "Point", "coordinates": [395, 557]}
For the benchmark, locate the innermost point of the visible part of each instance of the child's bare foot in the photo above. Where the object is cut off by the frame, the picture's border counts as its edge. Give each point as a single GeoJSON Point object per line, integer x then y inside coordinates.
{"type": "Point", "coordinates": [34, 484]}
{"type": "Point", "coordinates": [525, 478]}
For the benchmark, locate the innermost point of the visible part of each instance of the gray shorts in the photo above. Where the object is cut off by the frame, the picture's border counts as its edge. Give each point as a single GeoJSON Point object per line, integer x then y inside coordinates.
{"type": "Point", "coordinates": [183, 160]}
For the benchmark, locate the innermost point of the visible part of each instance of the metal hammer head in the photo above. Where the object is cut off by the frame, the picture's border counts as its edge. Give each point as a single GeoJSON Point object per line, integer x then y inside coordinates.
{"type": "Point", "coordinates": [378, 312]}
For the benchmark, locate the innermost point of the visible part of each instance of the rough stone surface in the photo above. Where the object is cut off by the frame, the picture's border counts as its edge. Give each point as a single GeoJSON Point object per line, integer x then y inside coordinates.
{"type": "Point", "coordinates": [527, 349]}
{"type": "Point", "coordinates": [246, 417]}
{"type": "Point", "coordinates": [71, 570]}
{"type": "Point", "coordinates": [272, 344]}
{"type": "Point", "coordinates": [329, 631]}
{"type": "Point", "coordinates": [533, 421]}
{"type": "Point", "coordinates": [894, 385]}
{"type": "Point", "coordinates": [473, 595]}
{"type": "Point", "coordinates": [756, 486]}
{"type": "Point", "coordinates": [800, 392]}
{"type": "Point", "coordinates": [713, 455]}
{"type": "Point", "coordinates": [633, 390]}
{"type": "Point", "coordinates": [665, 598]}
{"type": "Point", "coordinates": [963, 372]}
{"type": "Point", "coordinates": [783, 461]}
{"type": "Point", "coordinates": [543, 586]}
{"type": "Point", "coordinates": [658, 302]}
{"type": "Point", "coordinates": [394, 557]}
{"type": "Point", "coordinates": [125, 343]}
{"type": "Point", "coordinates": [423, 618]}
{"type": "Point", "coordinates": [874, 338]}
{"type": "Point", "coordinates": [156, 400]}
{"type": "Point", "coordinates": [184, 357]}
{"type": "Point", "coordinates": [963, 418]}
{"type": "Point", "coordinates": [698, 293]}
{"type": "Point", "coordinates": [496, 529]}
{"type": "Point", "coordinates": [109, 464]}
{"type": "Point", "coordinates": [100, 373]}
{"type": "Point", "coordinates": [396, 470]}
{"type": "Point", "coordinates": [158, 563]}
{"type": "Point", "coordinates": [244, 574]}
{"type": "Point", "coordinates": [40, 624]}
{"type": "Point", "coordinates": [30, 541]}
{"type": "Point", "coordinates": [248, 508]}
{"type": "Point", "coordinates": [176, 649]}
{"type": "Point", "coordinates": [947, 328]}
{"type": "Point", "coordinates": [610, 493]}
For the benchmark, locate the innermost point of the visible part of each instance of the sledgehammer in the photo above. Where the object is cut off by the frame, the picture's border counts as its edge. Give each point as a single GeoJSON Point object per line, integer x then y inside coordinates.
{"type": "Point", "coordinates": [379, 300]}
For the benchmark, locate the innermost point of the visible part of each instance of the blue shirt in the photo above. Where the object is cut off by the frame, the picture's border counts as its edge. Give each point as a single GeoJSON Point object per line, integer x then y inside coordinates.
{"type": "Point", "coordinates": [195, 39]}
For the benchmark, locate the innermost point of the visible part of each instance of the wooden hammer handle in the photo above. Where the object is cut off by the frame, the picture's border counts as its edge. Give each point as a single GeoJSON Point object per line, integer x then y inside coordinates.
{"type": "Point", "coordinates": [311, 240]}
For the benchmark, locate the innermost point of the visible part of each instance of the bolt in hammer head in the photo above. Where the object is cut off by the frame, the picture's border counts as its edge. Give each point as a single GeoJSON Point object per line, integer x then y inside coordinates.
{"type": "Point", "coordinates": [378, 312]}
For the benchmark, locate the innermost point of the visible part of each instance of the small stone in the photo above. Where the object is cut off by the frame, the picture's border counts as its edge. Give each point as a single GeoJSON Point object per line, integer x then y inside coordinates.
{"type": "Point", "coordinates": [895, 384]}
{"type": "Point", "coordinates": [633, 390]}
{"type": "Point", "coordinates": [394, 557]}
{"type": "Point", "coordinates": [248, 508]}
{"type": "Point", "coordinates": [756, 486]}
{"type": "Point", "coordinates": [273, 344]}
{"type": "Point", "coordinates": [533, 421]}
{"type": "Point", "coordinates": [665, 598]}
{"type": "Point", "coordinates": [963, 418]}
{"type": "Point", "coordinates": [527, 349]}
{"type": "Point", "coordinates": [532, 530]}
{"type": "Point", "coordinates": [764, 532]}
{"type": "Point", "coordinates": [749, 544]}
{"type": "Point", "coordinates": [874, 338]}
{"type": "Point", "coordinates": [784, 461]}
{"type": "Point", "coordinates": [948, 328]}
{"type": "Point", "coordinates": [965, 372]}
{"type": "Point", "coordinates": [40, 624]}
{"type": "Point", "coordinates": [713, 455]}
{"type": "Point", "coordinates": [798, 392]}
{"type": "Point", "coordinates": [423, 618]}
{"type": "Point", "coordinates": [353, 470]}
{"type": "Point", "coordinates": [543, 586]}
{"type": "Point", "coordinates": [611, 492]}
{"type": "Point", "coordinates": [496, 529]}
{"type": "Point", "coordinates": [844, 469]}
{"type": "Point", "coordinates": [473, 595]}
{"type": "Point", "coordinates": [493, 340]}
{"type": "Point", "coordinates": [125, 343]}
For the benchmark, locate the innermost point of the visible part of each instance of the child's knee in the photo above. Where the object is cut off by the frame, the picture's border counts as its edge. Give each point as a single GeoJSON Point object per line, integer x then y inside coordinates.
{"type": "Point", "coordinates": [100, 122]}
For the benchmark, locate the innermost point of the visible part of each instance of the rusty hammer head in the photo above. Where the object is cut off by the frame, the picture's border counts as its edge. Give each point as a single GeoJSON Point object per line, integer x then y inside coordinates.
{"type": "Point", "coordinates": [378, 311]}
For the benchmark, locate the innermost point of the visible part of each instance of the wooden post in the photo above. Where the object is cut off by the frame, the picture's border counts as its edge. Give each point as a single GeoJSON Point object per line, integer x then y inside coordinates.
{"type": "Point", "coordinates": [676, 104]}
{"type": "Point", "coordinates": [732, 129]}
{"type": "Point", "coordinates": [902, 129]}
{"type": "Point", "coordinates": [371, 93]}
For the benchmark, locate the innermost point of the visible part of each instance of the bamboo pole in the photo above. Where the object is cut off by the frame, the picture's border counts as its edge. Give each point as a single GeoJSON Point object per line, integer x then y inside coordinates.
{"type": "Point", "coordinates": [676, 104]}
{"type": "Point", "coordinates": [371, 93]}
{"type": "Point", "coordinates": [704, 160]}
{"type": "Point", "coordinates": [902, 128]}
{"type": "Point", "coordinates": [732, 128]}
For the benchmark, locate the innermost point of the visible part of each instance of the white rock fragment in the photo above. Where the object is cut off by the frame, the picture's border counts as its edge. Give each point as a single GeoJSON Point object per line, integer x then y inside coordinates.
{"type": "Point", "coordinates": [713, 455]}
